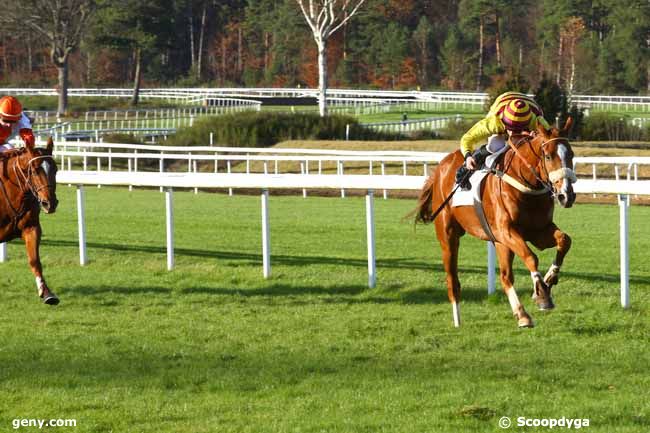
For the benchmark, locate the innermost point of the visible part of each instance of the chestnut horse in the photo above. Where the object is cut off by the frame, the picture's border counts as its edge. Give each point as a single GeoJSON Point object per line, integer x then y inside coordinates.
{"type": "Point", "coordinates": [28, 184]}
{"type": "Point", "coordinates": [518, 198]}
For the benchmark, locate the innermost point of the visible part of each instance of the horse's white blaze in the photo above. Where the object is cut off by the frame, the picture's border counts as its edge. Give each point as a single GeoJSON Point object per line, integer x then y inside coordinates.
{"type": "Point", "coordinates": [565, 173]}
{"type": "Point", "coordinates": [46, 167]}
{"type": "Point", "coordinates": [455, 306]}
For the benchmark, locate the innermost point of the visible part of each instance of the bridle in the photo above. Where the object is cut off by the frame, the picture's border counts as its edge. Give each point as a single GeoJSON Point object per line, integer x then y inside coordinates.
{"type": "Point", "coordinates": [24, 181]}
{"type": "Point", "coordinates": [547, 185]}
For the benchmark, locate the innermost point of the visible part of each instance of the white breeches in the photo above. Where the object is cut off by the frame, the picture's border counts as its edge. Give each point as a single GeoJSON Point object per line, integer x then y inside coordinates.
{"type": "Point", "coordinates": [496, 142]}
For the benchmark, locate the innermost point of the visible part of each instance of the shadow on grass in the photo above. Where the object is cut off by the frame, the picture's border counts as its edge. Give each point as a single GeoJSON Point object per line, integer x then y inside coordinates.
{"type": "Point", "coordinates": [331, 294]}
{"type": "Point", "coordinates": [256, 259]}
{"type": "Point", "coordinates": [286, 260]}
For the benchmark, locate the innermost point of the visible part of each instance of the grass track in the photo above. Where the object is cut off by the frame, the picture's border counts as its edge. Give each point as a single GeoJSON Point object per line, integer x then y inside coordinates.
{"type": "Point", "coordinates": [212, 346]}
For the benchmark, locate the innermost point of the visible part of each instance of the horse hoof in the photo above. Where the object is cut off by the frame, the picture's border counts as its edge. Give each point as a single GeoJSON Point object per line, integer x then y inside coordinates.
{"type": "Point", "coordinates": [523, 319]}
{"type": "Point", "coordinates": [546, 305]}
{"type": "Point", "coordinates": [51, 300]}
{"type": "Point", "coordinates": [526, 324]}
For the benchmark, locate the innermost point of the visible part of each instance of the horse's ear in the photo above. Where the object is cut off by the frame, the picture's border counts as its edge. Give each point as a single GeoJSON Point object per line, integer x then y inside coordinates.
{"type": "Point", "coordinates": [542, 131]}
{"type": "Point", "coordinates": [50, 145]}
{"type": "Point", "coordinates": [567, 125]}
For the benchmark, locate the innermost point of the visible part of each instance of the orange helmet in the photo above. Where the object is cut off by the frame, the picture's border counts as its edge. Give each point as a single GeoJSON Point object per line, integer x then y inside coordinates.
{"type": "Point", "coordinates": [10, 109]}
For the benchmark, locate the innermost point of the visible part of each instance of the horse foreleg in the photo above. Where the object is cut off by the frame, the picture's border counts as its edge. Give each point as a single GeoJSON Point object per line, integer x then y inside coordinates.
{"type": "Point", "coordinates": [505, 256]}
{"type": "Point", "coordinates": [553, 237]}
{"type": "Point", "coordinates": [32, 238]}
{"type": "Point", "coordinates": [449, 242]}
{"type": "Point", "coordinates": [542, 292]}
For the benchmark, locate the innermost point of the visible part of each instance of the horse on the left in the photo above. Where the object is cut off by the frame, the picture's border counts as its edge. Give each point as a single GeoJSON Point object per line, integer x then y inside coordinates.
{"type": "Point", "coordinates": [27, 185]}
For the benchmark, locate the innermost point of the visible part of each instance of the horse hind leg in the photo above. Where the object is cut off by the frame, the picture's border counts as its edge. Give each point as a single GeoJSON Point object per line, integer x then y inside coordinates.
{"type": "Point", "coordinates": [449, 238]}
{"type": "Point", "coordinates": [507, 282]}
{"type": "Point", "coordinates": [32, 237]}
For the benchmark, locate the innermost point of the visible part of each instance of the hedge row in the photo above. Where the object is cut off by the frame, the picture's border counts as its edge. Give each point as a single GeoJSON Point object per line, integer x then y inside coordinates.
{"type": "Point", "coordinates": [259, 129]}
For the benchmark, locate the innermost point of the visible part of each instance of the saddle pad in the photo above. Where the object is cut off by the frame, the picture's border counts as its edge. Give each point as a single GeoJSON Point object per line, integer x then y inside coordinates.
{"type": "Point", "coordinates": [466, 198]}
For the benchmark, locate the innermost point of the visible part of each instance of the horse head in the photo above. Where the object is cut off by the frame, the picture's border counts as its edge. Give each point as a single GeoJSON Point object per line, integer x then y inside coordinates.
{"type": "Point", "coordinates": [555, 163]}
{"type": "Point", "coordinates": [38, 171]}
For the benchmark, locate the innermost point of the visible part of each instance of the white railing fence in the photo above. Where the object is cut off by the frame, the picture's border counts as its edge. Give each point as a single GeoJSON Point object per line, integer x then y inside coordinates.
{"type": "Point", "coordinates": [257, 173]}
{"type": "Point", "coordinates": [467, 100]}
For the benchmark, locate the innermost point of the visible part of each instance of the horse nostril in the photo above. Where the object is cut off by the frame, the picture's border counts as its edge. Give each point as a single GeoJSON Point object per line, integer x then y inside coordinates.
{"type": "Point", "coordinates": [561, 198]}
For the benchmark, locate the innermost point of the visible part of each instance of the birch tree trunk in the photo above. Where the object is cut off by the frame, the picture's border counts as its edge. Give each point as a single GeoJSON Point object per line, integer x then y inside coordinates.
{"type": "Point", "coordinates": [190, 23]}
{"type": "Point", "coordinates": [558, 78]}
{"type": "Point", "coordinates": [240, 45]}
{"type": "Point", "coordinates": [322, 77]}
{"type": "Point", "coordinates": [62, 70]}
{"type": "Point", "coordinates": [30, 61]}
{"type": "Point", "coordinates": [497, 39]}
{"type": "Point", "coordinates": [137, 78]}
{"type": "Point", "coordinates": [479, 74]}
{"type": "Point", "coordinates": [199, 55]}
{"type": "Point", "coordinates": [324, 18]}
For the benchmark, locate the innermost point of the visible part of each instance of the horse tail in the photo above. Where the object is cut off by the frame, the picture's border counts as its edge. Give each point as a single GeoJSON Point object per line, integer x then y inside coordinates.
{"type": "Point", "coordinates": [423, 213]}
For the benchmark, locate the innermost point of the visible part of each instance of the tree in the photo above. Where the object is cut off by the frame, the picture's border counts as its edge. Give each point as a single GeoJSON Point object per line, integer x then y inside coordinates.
{"type": "Point", "coordinates": [60, 22]}
{"type": "Point", "coordinates": [325, 17]}
{"type": "Point", "coordinates": [423, 36]}
{"type": "Point", "coordinates": [134, 26]}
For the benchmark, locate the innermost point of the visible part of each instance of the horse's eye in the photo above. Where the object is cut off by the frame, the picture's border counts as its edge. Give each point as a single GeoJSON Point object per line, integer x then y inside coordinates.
{"type": "Point", "coordinates": [548, 157]}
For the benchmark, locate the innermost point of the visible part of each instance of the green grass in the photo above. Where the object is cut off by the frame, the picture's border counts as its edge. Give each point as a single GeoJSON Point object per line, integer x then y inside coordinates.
{"type": "Point", "coordinates": [212, 346]}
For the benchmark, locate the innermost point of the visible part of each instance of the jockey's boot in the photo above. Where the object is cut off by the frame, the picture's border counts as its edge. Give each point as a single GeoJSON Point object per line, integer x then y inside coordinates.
{"type": "Point", "coordinates": [462, 177]}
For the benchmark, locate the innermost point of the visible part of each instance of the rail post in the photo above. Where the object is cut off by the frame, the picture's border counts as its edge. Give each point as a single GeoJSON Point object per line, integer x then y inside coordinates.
{"type": "Point", "coordinates": [266, 236]}
{"type": "Point", "coordinates": [169, 211]}
{"type": "Point", "coordinates": [625, 260]}
{"type": "Point", "coordinates": [491, 253]}
{"type": "Point", "coordinates": [370, 228]}
{"type": "Point", "coordinates": [81, 223]}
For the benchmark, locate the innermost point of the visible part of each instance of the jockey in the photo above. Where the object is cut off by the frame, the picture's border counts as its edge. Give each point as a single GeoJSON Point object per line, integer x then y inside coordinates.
{"type": "Point", "coordinates": [511, 113]}
{"type": "Point", "coordinates": [13, 122]}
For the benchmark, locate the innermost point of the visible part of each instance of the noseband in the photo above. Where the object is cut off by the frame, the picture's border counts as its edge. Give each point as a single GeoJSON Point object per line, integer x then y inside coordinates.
{"type": "Point", "coordinates": [551, 177]}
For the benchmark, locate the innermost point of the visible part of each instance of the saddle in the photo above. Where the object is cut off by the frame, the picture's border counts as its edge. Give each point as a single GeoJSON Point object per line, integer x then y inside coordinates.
{"type": "Point", "coordinates": [472, 197]}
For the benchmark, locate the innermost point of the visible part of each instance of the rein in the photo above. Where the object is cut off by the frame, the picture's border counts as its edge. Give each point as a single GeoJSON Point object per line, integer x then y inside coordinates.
{"type": "Point", "coordinates": [30, 174]}
{"type": "Point", "coordinates": [546, 185]}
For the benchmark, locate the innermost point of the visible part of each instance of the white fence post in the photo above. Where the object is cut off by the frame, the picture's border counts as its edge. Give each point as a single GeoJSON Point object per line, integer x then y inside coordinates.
{"type": "Point", "coordinates": [169, 210]}
{"type": "Point", "coordinates": [3, 252]}
{"type": "Point", "coordinates": [81, 222]}
{"type": "Point", "coordinates": [491, 253]}
{"type": "Point", "coordinates": [625, 260]}
{"type": "Point", "coordinates": [370, 228]}
{"type": "Point", "coordinates": [266, 238]}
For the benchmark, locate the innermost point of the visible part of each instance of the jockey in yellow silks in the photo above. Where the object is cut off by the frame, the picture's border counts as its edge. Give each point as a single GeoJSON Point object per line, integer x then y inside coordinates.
{"type": "Point", "coordinates": [511, 112]}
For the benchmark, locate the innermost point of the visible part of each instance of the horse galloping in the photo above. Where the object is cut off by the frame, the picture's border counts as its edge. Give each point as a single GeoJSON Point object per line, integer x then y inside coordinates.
{"type": "Point", "coordinates": [517, 202]}
{"type": "Point", "coordinates": [27, 185]}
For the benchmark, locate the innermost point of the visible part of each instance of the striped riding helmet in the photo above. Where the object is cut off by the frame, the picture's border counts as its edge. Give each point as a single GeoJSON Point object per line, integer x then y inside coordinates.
{"type": "Point", "coordinates": [10, 109]}
{"type": "Point", "coordinates": [516, 115]}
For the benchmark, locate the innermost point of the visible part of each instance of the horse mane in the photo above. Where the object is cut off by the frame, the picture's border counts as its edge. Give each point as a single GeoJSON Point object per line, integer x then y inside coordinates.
{"type": "Point", "coordinates": [10, 153]}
